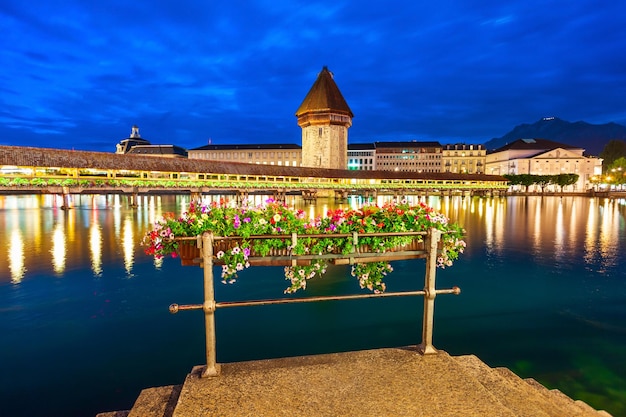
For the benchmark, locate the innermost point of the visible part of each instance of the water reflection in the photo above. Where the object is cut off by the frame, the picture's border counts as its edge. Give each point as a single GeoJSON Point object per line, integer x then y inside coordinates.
{"type": "Point", "coordinates": [128, 243]}
{"type": "Point", "coordinates": [42, 238]}
{"type": "Point", "coordinates": [16, 256]}
{"type": "Point", "coordinates": [95, 246]}
{"type": "Point", "coordinates": [58, 249]}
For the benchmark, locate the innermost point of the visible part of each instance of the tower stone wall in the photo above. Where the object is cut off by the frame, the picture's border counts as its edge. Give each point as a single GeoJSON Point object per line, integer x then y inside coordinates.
{"type": "Point", "coordinates": [324, 117]}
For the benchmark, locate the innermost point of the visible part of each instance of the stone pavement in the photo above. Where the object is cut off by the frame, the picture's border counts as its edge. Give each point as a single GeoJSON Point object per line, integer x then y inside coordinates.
{"type": "Point", "coordinates": [379, 382]}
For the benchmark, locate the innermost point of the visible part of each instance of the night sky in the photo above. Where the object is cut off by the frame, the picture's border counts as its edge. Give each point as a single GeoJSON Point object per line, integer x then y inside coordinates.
{"type": "Point", "coordinates": [78, 74]}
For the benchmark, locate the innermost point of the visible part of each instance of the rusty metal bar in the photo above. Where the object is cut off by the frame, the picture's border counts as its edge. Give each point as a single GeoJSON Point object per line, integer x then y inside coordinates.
{"type": "Point", "coordinates": [175, 308]}
{"type": "Point", "coordinates": [205, 242]}
{"type": "Point", "coordinates": [314, 299]}
{"type": "Point", "coordinates": [212, 368]}
{"type": "Point", "coordinates": [426, 347]}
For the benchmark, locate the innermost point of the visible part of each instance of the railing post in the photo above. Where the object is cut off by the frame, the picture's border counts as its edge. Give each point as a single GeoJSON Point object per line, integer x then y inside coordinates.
{"type": "Point", "coordinates": [432, 243]}
{"type": "Point", "coordinates": [212, 368]}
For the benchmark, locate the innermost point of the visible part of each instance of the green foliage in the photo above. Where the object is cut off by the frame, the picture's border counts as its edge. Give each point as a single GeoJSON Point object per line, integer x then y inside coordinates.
{"type": "Point", "coordinates": [39, 182]}
{"type": "Point", "coordinates": [616, 172]}
{"type": "Point", "coordinates": [267, 230]}
{"type": "Point", "coordinates": [613, 150]}
{"type": "Point", "coordinates": [543, 181]}
{"type": "Point", "coordinates": [563, 180]}
{"type": "Point", "coordinates": [19, 182]}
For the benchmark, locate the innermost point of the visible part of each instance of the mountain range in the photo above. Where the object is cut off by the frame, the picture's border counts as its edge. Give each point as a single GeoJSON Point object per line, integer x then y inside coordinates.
{"type": "Point", "coordinates": [590, 137]}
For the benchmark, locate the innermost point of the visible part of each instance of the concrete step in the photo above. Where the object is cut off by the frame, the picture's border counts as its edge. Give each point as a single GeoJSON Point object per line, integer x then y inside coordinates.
{"type": "Point", "coordinates": [525, 398]}
{"type": "Point", "coordinates": [114, 414]}
{"type": "Point", "coordinates": [156, 402]}
{"type": "Point", "coordinates": [509, 392]}
{"type": "Point", "coordinates": [383, 382]}
{"type": "Point", "coordinates": [562, 399]}
{"type": "Point", "coordinates": [389, 381]}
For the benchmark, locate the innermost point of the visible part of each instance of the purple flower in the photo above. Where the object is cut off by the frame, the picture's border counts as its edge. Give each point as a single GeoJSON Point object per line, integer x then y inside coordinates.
{"type": "Point", "coordinates": [236, 222]}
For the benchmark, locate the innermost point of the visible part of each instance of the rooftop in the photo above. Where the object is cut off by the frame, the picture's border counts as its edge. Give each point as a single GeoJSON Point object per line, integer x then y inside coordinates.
{"type": "Point", "coordinates": [250, 146]}
{"type": "Point", "coordinates": [534, 144]}
{"type": "Point", "coordinates": [324, 95]}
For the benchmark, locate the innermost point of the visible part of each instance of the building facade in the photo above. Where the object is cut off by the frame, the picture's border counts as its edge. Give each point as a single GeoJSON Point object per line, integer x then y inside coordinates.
{"type": "Point", "coordinates": [362, 157]}
{"type": "Point", "coordinates": [324, 117]}
{"type": "Point", "coordinates": [135, 144]}
{"type": "Point", "coordinates": [264, 154]}
{"type": "Point", "coordinates": [462, 158]}
{"type": "Point", "coordinates": [408, 156]}
{"type": "Point", "coordinates": [543, 157]}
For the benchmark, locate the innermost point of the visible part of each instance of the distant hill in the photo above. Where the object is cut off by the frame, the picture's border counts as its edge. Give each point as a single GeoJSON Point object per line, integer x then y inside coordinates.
{"type": "Point", "coordinates": [588, 136]}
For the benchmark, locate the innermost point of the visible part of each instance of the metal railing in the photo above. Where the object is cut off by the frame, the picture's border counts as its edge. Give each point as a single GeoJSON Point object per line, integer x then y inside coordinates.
{"type": "Point", "coordinates": [206, 244]}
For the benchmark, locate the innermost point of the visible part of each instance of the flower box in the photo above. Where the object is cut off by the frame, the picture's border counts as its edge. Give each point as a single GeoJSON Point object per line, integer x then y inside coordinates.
{"type": "Point", "coordinates": [188, 251]}
{"type": "Point", "coordinates": [274, 234]}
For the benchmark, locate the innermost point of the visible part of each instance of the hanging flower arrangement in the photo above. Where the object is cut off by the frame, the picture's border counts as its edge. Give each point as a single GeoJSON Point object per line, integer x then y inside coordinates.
{"type": "Point", "coordinates": [317, 236]}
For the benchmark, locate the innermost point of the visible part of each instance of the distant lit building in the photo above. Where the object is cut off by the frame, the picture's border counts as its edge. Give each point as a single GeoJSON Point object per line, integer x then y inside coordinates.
{"type": "Point", "coordinates": [135, 139]}
{"type": "Point", "coordinates": [543, 157]}
{"type": "Point", "coordinates": [408, 156]}
{"type": "Point", "coordinates": [324, 117]}
{"type": "Point", "coordinates": [462, 158]}
{"type": "Point", "coordinates": [264, 154]}
{"type": "Point", "coordinates": [362, 156]}
{"type": "Point", "coordinates": [135, 144]}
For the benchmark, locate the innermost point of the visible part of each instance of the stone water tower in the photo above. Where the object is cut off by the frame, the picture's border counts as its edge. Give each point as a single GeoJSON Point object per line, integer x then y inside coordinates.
{"type": "Point", "coordinates": [324, 117]}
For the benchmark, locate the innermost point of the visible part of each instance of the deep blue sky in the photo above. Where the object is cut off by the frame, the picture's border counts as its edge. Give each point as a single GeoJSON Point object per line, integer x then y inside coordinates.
{"type": "Point", "coordinates": [78, 74]}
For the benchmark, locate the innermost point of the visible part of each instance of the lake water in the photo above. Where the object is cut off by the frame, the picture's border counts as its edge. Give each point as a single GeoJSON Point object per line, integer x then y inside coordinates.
{"type": "Point", "coordinates": [84, 319]}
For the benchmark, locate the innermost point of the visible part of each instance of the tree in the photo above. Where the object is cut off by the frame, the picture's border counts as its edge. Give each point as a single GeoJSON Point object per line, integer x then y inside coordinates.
{"type": "Point", "coordinates": [543, 181]}
{"type": "Point", "coordinates": [563, 180]}
{"type": "Point", "coordinates": [617, 171]}
{"type": "Point", "coordinates": [527, 180]}
{"type": "Point", "coordinates": [613, 150]}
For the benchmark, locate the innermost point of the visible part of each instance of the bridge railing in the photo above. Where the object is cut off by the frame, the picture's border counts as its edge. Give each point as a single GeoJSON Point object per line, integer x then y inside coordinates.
{"type": "Point", "coordinates": [209, 244]}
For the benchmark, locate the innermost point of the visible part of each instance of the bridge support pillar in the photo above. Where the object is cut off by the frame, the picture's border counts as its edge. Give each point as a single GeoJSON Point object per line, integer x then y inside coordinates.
{"type": "Point", "coordinates": [134, 198]}
{"type": "Point", "coordinates": [196, 196]}
{"type": "Point", "coordinates": [341, 195]}
{"type": "Point", "coordinates": [67, 199]}
{"type": "Point", "coordinates": [242, 195]}
{"type": "Point", "coordinates": [309, 195]}
{"type": "Point", "coordinates": [280, 195]}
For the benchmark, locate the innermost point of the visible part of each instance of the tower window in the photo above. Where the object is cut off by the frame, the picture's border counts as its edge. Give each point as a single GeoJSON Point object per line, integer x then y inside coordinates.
{"type": "Point", "coordinates": [320, 131]}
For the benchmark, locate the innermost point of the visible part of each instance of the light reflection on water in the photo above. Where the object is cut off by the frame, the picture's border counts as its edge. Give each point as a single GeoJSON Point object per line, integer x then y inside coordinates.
{"type": "Point", "coordinates": [543, 284]}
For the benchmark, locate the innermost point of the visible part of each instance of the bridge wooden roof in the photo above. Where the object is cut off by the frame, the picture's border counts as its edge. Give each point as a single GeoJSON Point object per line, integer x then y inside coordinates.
{"type": "Point", "coordinates": [63, 158]}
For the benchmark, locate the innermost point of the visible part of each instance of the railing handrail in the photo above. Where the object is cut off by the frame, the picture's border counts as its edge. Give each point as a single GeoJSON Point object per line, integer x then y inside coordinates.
{"type": "Point", "coordinates": [430, 252]}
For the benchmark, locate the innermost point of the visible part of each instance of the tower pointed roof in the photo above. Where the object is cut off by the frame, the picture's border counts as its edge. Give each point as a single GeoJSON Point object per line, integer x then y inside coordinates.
{"type": "Point", "coordinates": [324, 95]}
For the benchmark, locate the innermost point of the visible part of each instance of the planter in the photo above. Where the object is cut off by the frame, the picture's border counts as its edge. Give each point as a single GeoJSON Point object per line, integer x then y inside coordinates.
{"type": "Point", "coordinates": [187, 252]}
{"type": "Point", "coordinates": [415, 245]}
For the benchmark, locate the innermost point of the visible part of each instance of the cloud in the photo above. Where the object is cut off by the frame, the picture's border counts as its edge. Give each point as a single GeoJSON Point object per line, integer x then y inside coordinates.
{"type": "Point", "coordinates": [184, 72]}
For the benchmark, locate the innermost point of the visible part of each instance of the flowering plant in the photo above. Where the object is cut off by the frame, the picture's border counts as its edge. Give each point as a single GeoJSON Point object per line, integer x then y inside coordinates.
{"type": "Point", "coordinates": [315, 236]}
